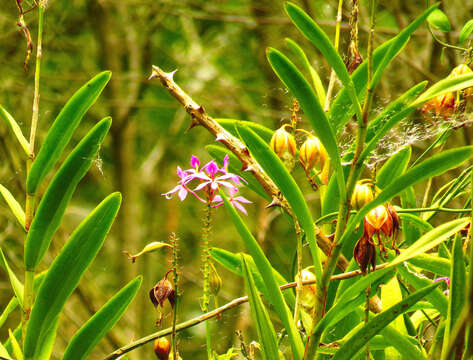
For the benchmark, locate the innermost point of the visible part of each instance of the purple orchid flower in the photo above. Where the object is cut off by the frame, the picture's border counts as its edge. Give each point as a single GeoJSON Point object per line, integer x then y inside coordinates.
{"type": "Point", "coordinates": [236, 201]}
{"type": "Point", "coordinates": [181, 189]}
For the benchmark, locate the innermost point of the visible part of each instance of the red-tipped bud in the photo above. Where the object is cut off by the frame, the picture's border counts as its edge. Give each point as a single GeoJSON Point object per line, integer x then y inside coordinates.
{"type": "Point", "coordinates": [162, 348]}
{"type": "Point", "coordinates": [311, 153]}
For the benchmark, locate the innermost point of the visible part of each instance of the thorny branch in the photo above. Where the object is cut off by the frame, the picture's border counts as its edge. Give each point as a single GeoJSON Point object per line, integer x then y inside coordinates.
{"type": "Point", "coordinates": [230, 305]}
{"type": "Point", "coordinates": [200, 117]}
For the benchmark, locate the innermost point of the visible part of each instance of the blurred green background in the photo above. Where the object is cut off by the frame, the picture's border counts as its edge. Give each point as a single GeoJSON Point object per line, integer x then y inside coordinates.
{"type": "Point", "coordinates": [219, 48]}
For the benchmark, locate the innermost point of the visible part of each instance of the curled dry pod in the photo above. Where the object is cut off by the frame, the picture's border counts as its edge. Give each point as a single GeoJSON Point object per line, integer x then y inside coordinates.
{"type": "Point", "coordinates": [283, 144]}
{"type": "Point", "coordinates": [307, 295]}
{"type": "Point", "coordinates": [162, 348]}
{"type": "Point", "coordinates": [311, 153]}
{"type": "Point", "coordinates": [365, 253]}
{"type": "Point", "coordinates": [162, 291]}
{"type": "Point", "coordinates": [362, 194]}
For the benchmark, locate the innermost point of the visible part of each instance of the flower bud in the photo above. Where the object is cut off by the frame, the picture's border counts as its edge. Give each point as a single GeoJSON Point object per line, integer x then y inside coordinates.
{"type": "Point", "coordinates": [460, 70]}
{"type": "Point", "coordinates": [283, 144]}
{"type": "Point", "coordinates": [162, 348]}
{"type": "Point", "coordinates": [215, 281]}
{"type": "Point", "coordinates": [312, 152]}
{"type": "Point", "coordinates": [362, 194]}
{"type": "Point", "coordinates": [307, 295]}
{"type": "Point", "coordinates": [443, 104]}
{"type": "Point", "coordinates": [375, 220]}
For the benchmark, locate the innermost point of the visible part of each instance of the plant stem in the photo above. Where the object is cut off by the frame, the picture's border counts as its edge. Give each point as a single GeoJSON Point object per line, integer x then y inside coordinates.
{"type": "Point", "coordinates": [175, 264]}
{"type": "Point", "coordinates": [344, 210]}
{"type": "Point", "coordinates": [206, 272]}
{"type": "Point", "coordinates": [28, 295]}
{"type": "Point", "coordinates": [469, 302]}
{"type": "Point", "coordinates": [336, 43]}
{"type": "Point", "coordinates": [213, 313]}
{"type": "Point", "coordinates": [367, 318]}
{"type": "Point", "coordinates": [299, 273]}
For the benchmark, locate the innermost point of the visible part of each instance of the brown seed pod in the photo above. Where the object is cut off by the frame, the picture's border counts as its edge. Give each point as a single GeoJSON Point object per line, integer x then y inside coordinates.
{"type": "Point", "coordinates": [365, 253]}
{"type": "Point", "coordinates": [162, 291]}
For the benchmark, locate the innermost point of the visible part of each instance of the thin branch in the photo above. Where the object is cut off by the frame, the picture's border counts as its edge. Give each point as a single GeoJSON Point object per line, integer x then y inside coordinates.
{"type": "Point", "coordinates": [230, 305]}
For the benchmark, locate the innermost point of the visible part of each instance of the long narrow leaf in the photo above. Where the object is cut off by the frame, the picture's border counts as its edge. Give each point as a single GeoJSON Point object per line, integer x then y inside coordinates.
{"type": "Point", "coordinates": [230, 126]}
{"type": "Point", "coordinates": [15, 207]}
{"type": "Point", "coordinates": [232, 262]}
{"type": "Point", "coordinates": [319, 39]}
{"type": "Point", "coordinates": [16, 285]}
{"type": "Point", "coordinates": [457, 293]}
{"type": "Point", "coordinates": [62, 129]}
{"type": "Point", "coordinates": [264, 327]}
{"type": "Point", "coordinates": [359, 339]}
{"type": "Point", "coordinates": [309, 102]}
{"type": "Point", "coordinates": [13, 125]}
{"type": "Point", "coordinates": [53, 205]}
{"type": "Point", "coordinates": [276, 170]}
{"type": "Point", "coordinates": [65, 273]}
{"type": "Point", "coordinates": [272, 288]}
{"type": "Point", "coordinates": [88, 336]}
{"type": "Point", "coordinates": [393, 168]}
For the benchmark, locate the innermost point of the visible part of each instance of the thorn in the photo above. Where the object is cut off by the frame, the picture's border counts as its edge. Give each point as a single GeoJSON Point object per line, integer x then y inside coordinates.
{"type": "Point", "coordinates": [192, 125]}
{"type": "Point", "coordinates": [200, 109]}
{"type": "Point", "coordinates": [220, 137]}
{"type": "Point", "coordinates": [273, 203]}
{"type": "Point", "coordinates": [249, 168]}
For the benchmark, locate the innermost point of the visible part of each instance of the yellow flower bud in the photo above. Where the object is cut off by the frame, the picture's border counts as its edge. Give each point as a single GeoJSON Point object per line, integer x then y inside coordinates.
{"type": "Point", "coordinates": [307, 295]}
{"type": "Point", "coordinates": [460, 70]}
{"type": "Point", "coordinates": [362, 194]}
{"type": "Point", "coordinates": [283, 143]}
{"type": "Point", "coordinates": [312, 152]}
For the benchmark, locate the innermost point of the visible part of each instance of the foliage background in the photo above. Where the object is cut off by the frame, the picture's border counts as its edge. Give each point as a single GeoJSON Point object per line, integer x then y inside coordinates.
{"type": "Point", "coordinates": [219, 49]}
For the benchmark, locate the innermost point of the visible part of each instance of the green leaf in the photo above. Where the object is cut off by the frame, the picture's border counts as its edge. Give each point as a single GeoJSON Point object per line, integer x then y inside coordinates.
{"type": "Point", "coordinates": [319, 39]}
{"type": "Point", "coordinates": [318, 86]}
{"type": "Point", "coordinates": [431, 167]}
{"type": "Point", "coordinates": [13, 125]}
{"type": "Point", "coordinates": [265, 269]}
{"type": "Point", "coordinates": [419, 281]}
{"type": "Point", "coordinates": [264, 327]}
{"type": "Point", "coordinates": [89, 335]}
{"type": "Point", "coordinates": [466, 31]}
{"type": "Point", "coordinates": [15, 207]}
{"type": "Point", "coordinates": [402, 344]}
{"type": "Point", "coordinates": [62, 129]}
{"type": "Point", "coordinates": [439, 20]}
{"type": "Point", "coordinates": [415, 220]}
{"type": "Point", "coordinates": [230, 125]}
{"type": "Point", "coordinates": [16, 347]}
{"type": "Point", "coordinates": [65, 273]}
{"type": "Point", "coordinates": [390, 295]}
{"type": "Point", "coordinates": [233, 263]}
{"type": "Point", "coordinates": [53, 205]}
{"type": "Point", "coordinates": [16, 285]}
{"type": "Point", "coordinates": [457, 294]}
{"type": "Point", "coordinates": [234, 165]}
{"type": "Point", "coordinates": [308, 101]}
{"type": "Point", "coordinates": [359, 338]}
{"type": "Point", "coordinates": [276, 170]}
{"type": "Point", "coordinates": [430, 240]}
{"type": "Point", "coordinates": [393, 168]}
{"type": "Point", "coordinates": [434, 264]}
{"type": "Point", "coordinates": [4, 353]}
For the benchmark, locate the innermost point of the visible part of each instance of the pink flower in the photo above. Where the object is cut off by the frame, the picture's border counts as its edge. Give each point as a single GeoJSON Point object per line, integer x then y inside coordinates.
{"type": "Point", "coordinates": [236, 201]}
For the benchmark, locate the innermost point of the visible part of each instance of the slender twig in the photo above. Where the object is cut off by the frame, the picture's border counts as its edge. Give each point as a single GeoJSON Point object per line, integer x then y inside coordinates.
{"type": "Point", "coordinates": [230, 305]}
{"type": "Point", "coordinates": [175, 265]}
{"type": "Point", "coordinates": [28, 294]}
{"type": "Point", "coordinates": [206, 228]}
{"type": "Point", "coordinates": [444, 44]}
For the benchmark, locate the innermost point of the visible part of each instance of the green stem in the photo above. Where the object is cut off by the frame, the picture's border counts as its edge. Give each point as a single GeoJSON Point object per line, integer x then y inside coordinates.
{"type": "Point", "coordinates": [459, 48]}
{"type": "Point", "coordinates": [28, 295]}
{"type": "Point", "coordinates": [299, 274]}
{"type": "Point", "coordinates": [175, 264]}
{"type": "Point", "coordinates": [469, 330]}
{"type": "Point", "coordinates": [344, 210]}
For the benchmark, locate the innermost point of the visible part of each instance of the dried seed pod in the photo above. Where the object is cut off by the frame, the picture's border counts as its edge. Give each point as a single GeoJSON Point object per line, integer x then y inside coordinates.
{"type": "Point", "coordinates": [362, 194]}
{"type": "Point", "coordinates": [365, 253]}
{"type": "Point", "coordinates": [162, 348]}
{"type": "Point", "coordinates": [162, 291]}
{"type": "Point", "coordinates": [311, 153]}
